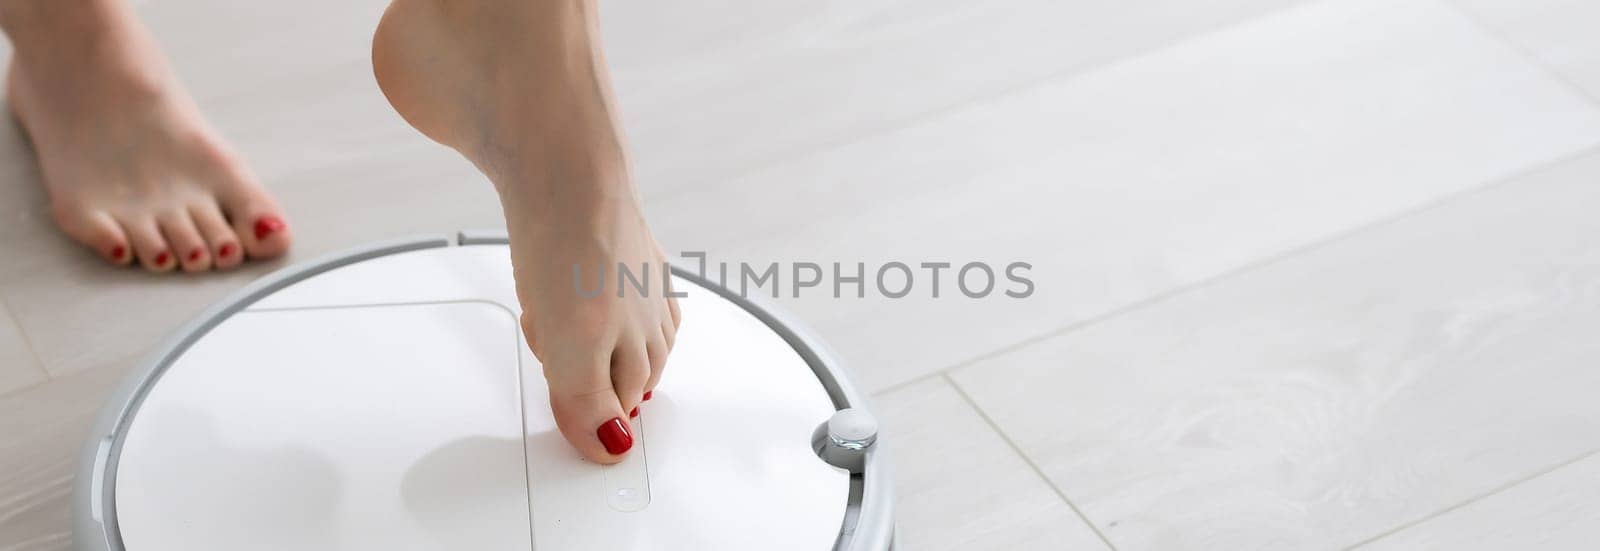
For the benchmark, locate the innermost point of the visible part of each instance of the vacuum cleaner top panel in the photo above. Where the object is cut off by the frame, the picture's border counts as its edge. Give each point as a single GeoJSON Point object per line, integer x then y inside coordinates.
{"type": "Point", "coordinates": [391, 404]}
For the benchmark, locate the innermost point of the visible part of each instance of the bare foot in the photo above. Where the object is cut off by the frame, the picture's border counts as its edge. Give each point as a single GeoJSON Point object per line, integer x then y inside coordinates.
{"type": "Point", "coordinates": [132, 169]}
{"type": "Point", "coordinates": [521, 90]}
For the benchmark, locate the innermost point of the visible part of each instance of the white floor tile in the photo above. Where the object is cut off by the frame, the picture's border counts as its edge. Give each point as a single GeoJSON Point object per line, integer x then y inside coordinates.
{"type": "Point", "coordinates": [710, 88]}
{"type": "Point", "coordinates": [1154, 173]}
{"type": "Point", "coordinates": [1559, 33]}
{"type": "Point", "coordinates": [222, 49]}
{"type": "Point", "coordinates": [1318, 401]}
{"type": "Point", "coordinates": [1557, 510]}
{"type": "Point", "coordinates": [959, 486]}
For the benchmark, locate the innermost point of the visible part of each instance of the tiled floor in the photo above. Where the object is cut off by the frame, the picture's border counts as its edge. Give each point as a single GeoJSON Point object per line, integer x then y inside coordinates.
{"type": "Point", "coordinates": [1316, 400]}
{"type": "Point", "coordinates": [1310, 274]}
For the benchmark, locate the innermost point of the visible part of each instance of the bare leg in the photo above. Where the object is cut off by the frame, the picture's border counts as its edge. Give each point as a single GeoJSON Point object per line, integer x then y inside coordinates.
{"type": "Point", "coordinates": [132, 169]}
{"type": "Point", "coordinates": [521, 89]}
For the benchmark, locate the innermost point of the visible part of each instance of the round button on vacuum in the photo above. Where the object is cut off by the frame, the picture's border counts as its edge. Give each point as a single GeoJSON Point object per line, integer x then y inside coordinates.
{"type": "Point", "coordinates": [853, 429]}
{"type": "Point", "coordinates": [845, 439]}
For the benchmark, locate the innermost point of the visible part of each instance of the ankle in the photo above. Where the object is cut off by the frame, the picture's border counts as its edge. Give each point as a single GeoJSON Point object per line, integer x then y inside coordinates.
{"type": "Point", "coordinates": [58, 30]}
{"type": "Point", "coordinates": [99, 41]}
{"type": "Point", "coordinates": [572, 177]}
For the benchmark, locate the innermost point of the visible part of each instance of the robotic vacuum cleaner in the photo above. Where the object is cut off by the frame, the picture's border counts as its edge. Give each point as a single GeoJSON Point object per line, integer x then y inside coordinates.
{"type": "Point", "coordinates": [384, 398]}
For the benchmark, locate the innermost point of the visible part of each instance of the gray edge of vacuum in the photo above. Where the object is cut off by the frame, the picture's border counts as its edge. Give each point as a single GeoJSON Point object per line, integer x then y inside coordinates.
{"type": "Point", "coordinates": [98, 460]}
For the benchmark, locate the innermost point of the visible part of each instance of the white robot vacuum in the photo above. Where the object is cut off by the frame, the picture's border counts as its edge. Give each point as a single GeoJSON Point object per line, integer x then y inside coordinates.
{"type": "Point", "coordinates": [384, 399]}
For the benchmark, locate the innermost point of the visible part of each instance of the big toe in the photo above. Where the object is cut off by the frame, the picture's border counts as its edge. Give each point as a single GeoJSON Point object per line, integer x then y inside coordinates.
{"type": "Point", "coordinates": [593, 422]}
{"type": "Point", "coordinates": [257, 221]}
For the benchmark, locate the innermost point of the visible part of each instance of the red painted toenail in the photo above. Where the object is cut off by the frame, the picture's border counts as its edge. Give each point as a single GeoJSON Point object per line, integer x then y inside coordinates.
{"type": "Point", "coordinates": [195, 254]}
{"type": "Point", "coordinates": [647, 394]}
{"type": "Point", "coordinates": [635, 412]}
{"type": "Point", "coordinates": [118, 251]}
{"type": "Point", "coordinates": [161, 258]}
{"type": "Point", "coordinates": [226, 250]}
{"type": "Point", "coordinates": [614, 435]}
{"type": "Point", "coordinates": [268, 225]}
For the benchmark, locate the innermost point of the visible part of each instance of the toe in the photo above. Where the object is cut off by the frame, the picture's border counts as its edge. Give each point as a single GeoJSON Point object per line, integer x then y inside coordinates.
{"type": "Point", "coordinates": [657, 349]}
{"type": "Point", "coordinates": [669, 333]}
{"type": "Point", "coordinates": [100, 232]}
{"type": "Point", "coordinates": [587, 411]}
{"type": "Point", "coordinates": [677, 316]}
{"type": "Point", "coordinates": [630, 371]}
{"type": "Point", "coordinates": [154, 253]}
{"type": "Point", "coordinates": [188, 246]}
{"type": "Point", "coordinates": [257, 221]}
{"type": "Point", "coordinates": [222, 243]}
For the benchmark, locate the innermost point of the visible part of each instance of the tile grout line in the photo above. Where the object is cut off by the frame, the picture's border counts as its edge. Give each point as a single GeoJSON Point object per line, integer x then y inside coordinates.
{"type": "Point", "coordinates": [909, 382]}
{"type": "Point", "coordinates": [1471, 500]}
{"type": "Point", "coordinates": [27, 343]}
{"type": "Point", "coordinates": [1281, 256]}
{"type": "Point", "coordinates": [1025, 458]}
{"type": "Point", "coordinates": [1527, 56]}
